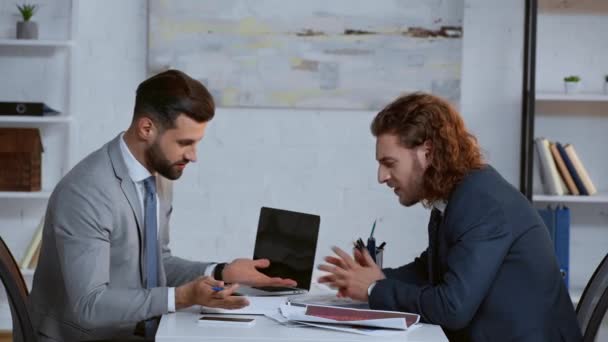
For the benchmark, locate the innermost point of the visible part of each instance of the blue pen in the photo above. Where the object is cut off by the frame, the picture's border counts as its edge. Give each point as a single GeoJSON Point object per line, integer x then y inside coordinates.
{"type": "Point", "coordinates": [371, 243]}
{"type": "Point", "coordinates": [217, 288]}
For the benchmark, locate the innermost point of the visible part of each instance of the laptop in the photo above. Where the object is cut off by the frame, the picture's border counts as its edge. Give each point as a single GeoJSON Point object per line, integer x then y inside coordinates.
{"type": "Point", "coordinates": [289, 240]}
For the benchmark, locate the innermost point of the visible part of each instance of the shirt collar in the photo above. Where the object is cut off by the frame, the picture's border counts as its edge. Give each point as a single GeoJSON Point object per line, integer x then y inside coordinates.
{"type": "Point", "coordinates": [136, 170]}
{"type": "Point", "coordinates": [440, 205]}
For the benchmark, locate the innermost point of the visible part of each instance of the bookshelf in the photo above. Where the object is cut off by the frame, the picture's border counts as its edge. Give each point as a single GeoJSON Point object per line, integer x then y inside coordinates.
{"type": "Point", "coordinates": [561, 41]}
{"type": "Point", "coordinates": [37, 71]}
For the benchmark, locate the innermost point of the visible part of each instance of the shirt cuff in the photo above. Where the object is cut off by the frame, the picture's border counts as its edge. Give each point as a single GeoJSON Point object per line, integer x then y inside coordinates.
{"type": "Point", "coordinates": [370, 288]}
{"type": "Point", "coordinates": [171, 298]}
{"type": "Point", "coordinates": [209, 270]}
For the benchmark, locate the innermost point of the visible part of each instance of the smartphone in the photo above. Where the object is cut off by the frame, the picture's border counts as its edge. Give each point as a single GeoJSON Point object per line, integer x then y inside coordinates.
{"type": "Point", "coordinates": [231, 321]}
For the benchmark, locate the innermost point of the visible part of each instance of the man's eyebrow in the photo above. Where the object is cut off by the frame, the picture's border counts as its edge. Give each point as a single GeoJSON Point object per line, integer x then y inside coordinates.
{"type": "Point", "coordinates": [386, 159]}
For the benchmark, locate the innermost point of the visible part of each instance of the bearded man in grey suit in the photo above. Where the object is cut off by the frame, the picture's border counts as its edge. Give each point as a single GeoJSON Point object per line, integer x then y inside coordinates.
{"type": "Point", "coordinates": [105, 268]}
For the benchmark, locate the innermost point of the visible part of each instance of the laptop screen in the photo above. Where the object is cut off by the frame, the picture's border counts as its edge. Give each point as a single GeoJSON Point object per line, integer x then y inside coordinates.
{"type": "Point", "coordinates": [289, 240]}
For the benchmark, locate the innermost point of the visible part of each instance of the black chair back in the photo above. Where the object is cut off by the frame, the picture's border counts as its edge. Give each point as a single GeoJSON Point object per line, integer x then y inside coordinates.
{"type": "Point", "coordinates": [593, 305]}
{"type": "Point", "coordinates": [17, 294]}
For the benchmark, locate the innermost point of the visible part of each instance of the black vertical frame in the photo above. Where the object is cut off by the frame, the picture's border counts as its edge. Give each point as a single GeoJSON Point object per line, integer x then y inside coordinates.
{"type": "Point", "coordinates": [528, 99]}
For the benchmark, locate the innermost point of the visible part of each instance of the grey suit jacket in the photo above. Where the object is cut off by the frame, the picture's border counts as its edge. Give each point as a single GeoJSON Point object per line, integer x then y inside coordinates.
{"type": "Point", "coordinates": [89, 283]}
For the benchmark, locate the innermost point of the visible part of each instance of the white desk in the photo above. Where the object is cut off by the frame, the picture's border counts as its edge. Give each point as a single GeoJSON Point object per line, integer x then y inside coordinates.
{"type": "Point", "coordinates": [183, 326]}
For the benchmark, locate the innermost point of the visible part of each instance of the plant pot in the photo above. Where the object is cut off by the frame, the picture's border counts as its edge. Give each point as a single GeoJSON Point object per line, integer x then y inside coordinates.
{"type": "Point", "coordinates": [606, 87]}
{"type": "Point", "coordinates": [571, 87]}
{"type": "Point", "coordinates": [27, 30]}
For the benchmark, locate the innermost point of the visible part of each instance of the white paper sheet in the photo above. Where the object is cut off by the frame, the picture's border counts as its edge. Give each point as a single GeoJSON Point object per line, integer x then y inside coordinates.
{"type": "Point", "coordinates": [257, 306]}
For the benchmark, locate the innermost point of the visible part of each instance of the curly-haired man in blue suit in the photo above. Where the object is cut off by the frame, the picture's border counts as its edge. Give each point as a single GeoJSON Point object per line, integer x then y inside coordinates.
{"type": "Point", "coordinates": [489, 272]}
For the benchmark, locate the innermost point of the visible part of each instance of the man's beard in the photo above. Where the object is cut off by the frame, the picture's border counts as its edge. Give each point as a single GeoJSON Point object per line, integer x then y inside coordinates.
{"type": "Point", "coordinates": [161, 164]}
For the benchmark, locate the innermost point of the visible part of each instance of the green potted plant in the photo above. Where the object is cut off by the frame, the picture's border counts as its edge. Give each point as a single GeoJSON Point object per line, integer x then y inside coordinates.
{"type": "Point", "coordinates": [27, 29]}
{"type": "Point", "coordinates": [571, 84]}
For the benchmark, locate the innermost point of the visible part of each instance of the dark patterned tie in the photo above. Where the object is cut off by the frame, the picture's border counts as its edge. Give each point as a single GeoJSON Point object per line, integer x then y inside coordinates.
{"type": "Point", "coordinates": [151, 245]}
{"type": "Point", "coordinates": [432, 262]}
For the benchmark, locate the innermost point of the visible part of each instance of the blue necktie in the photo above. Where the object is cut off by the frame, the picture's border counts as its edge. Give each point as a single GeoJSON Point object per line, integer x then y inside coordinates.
{"type": "Point", "coordinates": [151, 246]}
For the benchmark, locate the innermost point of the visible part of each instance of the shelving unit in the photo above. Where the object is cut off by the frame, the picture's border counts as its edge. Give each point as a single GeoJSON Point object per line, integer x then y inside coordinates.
{"type": "Point", "coordinates": [565, 47]}
{"type": "Point", "coordinates": [37, 71]}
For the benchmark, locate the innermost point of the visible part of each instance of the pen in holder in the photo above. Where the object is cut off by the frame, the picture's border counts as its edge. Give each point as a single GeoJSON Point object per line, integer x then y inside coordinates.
{"type": "Point", "coordinates": [379, 256]}
{"type": "Point", "coordinates": [378, 252]}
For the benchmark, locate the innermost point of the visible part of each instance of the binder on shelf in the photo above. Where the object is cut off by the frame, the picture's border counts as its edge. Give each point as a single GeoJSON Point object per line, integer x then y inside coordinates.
{"type": "Point", "coordinates": [558, 223]}
{"type": "Point", "coordinates": [562, 241]}
{"type": "Point", "coordinates": [26, 109]}
{"type": "Point", "coordinates": [548, 216]}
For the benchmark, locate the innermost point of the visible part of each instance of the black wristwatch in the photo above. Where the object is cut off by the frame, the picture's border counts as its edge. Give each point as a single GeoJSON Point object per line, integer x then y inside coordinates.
{"type": "Point", "coordinates": [217, 272]}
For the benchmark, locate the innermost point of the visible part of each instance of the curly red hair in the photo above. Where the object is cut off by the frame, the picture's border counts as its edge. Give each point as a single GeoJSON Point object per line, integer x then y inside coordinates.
{"type": "Point", "coordinates": [420, 117]}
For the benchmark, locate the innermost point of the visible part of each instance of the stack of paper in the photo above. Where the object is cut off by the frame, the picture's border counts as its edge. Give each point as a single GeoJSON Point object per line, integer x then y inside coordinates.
{"type": "Point", "coordinates": [367, 322]}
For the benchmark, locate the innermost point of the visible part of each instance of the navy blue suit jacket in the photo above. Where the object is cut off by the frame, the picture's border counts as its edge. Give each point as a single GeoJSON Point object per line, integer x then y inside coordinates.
{"type": "Point", "coordinates": [496, 274]}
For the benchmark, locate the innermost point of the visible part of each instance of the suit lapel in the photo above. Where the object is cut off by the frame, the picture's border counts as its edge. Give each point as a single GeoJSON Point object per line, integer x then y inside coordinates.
{"type": "Point", "coordinates": [128, 189]}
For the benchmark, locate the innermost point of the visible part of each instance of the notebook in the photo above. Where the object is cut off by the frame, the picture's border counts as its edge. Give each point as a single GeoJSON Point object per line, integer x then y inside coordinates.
{"type": "Point", "coordinates": [289, 240]}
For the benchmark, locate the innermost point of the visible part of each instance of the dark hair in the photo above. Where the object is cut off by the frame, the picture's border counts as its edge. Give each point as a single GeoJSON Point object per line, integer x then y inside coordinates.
{"type": "Point", "coordinates": [418, 117]}
{"type": "Point", "coordinates": [165, 96]}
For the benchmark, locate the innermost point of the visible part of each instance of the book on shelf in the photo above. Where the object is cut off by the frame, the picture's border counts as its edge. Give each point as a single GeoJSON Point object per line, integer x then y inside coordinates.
{"type": "Point", "coordinates": [573, 173]}
{"type": "Point", "coordinates": [563, 170]}
{"type": "Point", "coordinates": [30, 258]}
{"type": "Point", "coordinates": [582, 172]}
{"type": "Point", "coordinates": [552, 182]}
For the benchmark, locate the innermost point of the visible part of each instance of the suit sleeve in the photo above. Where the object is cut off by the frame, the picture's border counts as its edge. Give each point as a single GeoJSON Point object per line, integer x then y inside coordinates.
{"type": "Point", "coordinates": [479, 248]}
{"type": "Point", "coordinates": [415, 272]}
{"type": "Point", "coordinates": [82, 228]}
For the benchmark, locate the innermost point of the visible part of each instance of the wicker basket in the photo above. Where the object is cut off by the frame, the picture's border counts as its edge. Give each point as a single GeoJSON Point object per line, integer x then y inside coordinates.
{"type": "Point", "coordinates": [20, 159]}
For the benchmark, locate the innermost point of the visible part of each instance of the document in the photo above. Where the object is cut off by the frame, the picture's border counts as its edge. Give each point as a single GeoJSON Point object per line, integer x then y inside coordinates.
{"type": "Point", "coordinates": [359, 321]}
{"type": "Point", "coordinates": [257, 306]}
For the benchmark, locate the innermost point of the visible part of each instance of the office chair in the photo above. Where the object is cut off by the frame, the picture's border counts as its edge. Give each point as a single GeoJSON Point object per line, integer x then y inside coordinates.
{"type": "Point", "coordinates": [17, 293]}
{"type": "Point", "coordinates": [594, 303]}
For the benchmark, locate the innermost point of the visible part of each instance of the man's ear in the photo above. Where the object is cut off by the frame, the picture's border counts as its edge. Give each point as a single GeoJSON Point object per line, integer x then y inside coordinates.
{"type": "Point", "coordinates": [425, 153]}
{"type": "Point", "coordinates": [146, 129]}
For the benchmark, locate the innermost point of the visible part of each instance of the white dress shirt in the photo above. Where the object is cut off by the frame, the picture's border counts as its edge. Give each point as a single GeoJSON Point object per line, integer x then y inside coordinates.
{"type": "Point", "coordinates": [138, 174]}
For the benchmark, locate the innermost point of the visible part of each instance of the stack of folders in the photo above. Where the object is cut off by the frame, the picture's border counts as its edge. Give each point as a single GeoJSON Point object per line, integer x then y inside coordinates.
{"type": "Point", "coordinates": [360, 321]}
{"type": "Point", "coordinates": [557, 221]}
{"type": "Point", "coordinates": [561, 170]}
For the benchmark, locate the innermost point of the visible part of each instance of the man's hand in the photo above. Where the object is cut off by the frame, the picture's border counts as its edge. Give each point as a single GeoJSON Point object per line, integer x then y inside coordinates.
{"type": "Point", "coordinates": [200, 292]}
{"type": "Point", "coordinates": [245, 271]}
{"type": "Point", "coordinates": [350, 277]}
